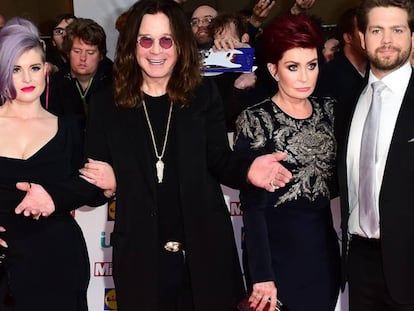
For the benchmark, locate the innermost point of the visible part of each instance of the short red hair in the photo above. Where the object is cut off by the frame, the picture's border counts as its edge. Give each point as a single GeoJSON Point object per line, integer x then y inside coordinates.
{"type": "Point", "coordinates": [290, 31]}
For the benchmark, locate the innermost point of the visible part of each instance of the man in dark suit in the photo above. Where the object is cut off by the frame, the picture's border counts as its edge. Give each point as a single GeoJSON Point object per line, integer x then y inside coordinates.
{"type": "Point", "coordinates": [343, 77]}
{"type": "Point", "coordinates": [380, 257]}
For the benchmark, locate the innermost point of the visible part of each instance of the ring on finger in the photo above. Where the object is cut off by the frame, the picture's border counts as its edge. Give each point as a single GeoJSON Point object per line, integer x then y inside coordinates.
{"type": "Point", "coordinates": [273, 185]}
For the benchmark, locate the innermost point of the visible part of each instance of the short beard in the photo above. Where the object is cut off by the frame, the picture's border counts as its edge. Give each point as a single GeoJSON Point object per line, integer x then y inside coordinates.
{"type": "Point", "coordinates": [390, 64]}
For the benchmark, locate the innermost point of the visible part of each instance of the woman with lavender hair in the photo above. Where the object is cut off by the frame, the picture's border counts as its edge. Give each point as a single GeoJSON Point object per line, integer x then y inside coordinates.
{"type": "Point", "coordinates": [45, 259]}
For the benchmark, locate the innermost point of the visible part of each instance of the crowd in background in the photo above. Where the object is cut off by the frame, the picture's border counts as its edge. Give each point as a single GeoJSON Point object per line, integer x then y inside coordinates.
{"type": "Point", "coordinates": [153, 116]}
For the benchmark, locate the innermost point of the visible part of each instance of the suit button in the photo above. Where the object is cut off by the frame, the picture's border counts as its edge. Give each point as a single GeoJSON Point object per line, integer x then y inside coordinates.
{"type": "Point", "coordinates": [153, 214]}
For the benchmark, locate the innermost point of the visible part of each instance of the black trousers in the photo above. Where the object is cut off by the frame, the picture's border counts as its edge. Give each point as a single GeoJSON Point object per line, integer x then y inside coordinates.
{"type": "Point", "coordinates": [367, 288]}
{"type": "Point", "coordinates": [174, 283]}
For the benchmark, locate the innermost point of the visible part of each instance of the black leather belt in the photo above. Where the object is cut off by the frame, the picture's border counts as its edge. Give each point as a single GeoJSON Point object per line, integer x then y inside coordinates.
{"type": "Point", "coordinates": [372, 242]}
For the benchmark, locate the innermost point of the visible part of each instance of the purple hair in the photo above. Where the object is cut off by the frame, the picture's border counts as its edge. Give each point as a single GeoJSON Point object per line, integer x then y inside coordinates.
{"type": "Point", "coordinates": [15, 39]}
{"type": "Point", "coordinates": [17, 20]}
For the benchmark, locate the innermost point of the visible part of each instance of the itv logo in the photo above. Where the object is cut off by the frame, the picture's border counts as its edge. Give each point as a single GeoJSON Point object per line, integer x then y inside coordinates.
{"type": "Point", "coordinates": [105, 243]}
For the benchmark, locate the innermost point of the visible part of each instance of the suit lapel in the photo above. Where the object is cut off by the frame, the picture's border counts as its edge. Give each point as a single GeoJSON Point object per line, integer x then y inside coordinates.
{"type": "Point", "coordinates": [403, 131]}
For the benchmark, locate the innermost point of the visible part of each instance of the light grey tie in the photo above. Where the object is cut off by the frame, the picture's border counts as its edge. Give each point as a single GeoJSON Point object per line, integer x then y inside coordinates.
{"type": "Point", "coordinates": [368, 215]}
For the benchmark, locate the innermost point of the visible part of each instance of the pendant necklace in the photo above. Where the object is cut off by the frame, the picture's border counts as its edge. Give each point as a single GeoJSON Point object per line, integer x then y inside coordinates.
{"type": "Point", "coordinates": [159, 165]}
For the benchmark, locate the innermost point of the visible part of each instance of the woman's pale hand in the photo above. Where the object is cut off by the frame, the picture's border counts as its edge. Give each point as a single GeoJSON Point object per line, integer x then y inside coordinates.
{"type": "Point", "coordinates": [267, 172]}
{"type": "Point", "coordinates": [37, 201]}
{"type": "Point", "coordinates": [263, 293]}
{"type": "Point", "coordinates": [3, 242]}
{"type": "Point", "coordinates": [100, 174]}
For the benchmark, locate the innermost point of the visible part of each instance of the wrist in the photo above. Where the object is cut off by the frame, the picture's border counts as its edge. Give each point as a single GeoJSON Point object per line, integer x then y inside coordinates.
{"type": "Point", "coordinates": [255, 21]}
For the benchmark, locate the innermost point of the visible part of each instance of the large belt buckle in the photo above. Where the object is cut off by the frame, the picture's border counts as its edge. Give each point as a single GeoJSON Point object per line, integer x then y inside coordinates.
{"type": "Point", "coordinates": [173, 246]}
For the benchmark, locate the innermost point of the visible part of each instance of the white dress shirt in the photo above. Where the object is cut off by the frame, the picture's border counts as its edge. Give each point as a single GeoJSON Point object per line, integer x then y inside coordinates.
{"type": "Point", "coordinates": [392, 96]}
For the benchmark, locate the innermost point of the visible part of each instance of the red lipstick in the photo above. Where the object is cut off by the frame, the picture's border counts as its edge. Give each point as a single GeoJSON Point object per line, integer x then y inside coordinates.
{"type": "Point", "coordinates": [28, 88]}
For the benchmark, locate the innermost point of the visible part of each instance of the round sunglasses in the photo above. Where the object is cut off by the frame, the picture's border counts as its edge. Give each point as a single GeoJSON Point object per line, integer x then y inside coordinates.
{"type": "Point", "coordinates": [146, 42]}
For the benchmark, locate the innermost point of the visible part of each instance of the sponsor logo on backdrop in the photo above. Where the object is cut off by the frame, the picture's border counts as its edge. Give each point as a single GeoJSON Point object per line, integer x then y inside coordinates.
{"type": "Point", "coordinates": [235, 208]}
{"type": "Point", "coordinates": [110, 299]}
{"type": "Point", "coordinates": [105, 242]}
{"type": "Point", "coordinates": [102, 269]}
{"type": "Point", "coordinates": [111, 210]}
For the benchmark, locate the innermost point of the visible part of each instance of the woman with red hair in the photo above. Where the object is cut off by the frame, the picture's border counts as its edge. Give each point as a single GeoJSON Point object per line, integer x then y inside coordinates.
{"type": "Point", "coordinates": [292, 247]}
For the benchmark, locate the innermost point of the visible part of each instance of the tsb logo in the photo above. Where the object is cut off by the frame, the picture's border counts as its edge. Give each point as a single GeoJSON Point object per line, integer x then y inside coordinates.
{"type": "Point", "coordinates": [110, 299]}
{"type": "Point", "coordinates": [102, 269]}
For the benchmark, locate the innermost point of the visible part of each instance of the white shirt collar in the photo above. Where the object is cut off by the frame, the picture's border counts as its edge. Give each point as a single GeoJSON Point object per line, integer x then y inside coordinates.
{"type": "Point", "coordinates": [397, 80]}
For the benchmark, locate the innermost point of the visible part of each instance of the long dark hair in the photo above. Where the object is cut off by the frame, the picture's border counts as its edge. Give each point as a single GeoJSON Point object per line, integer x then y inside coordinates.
{"type": "Point", "coordinates": [128, 77]}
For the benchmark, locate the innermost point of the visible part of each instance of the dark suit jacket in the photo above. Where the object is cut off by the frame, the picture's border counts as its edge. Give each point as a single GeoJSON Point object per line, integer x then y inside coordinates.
{"type": "Point", "coordinates": [204, 160]}
{"type": "Point", "coordinates": [341, 80]}
{"type": "Point", "coordinates": [396, 207]}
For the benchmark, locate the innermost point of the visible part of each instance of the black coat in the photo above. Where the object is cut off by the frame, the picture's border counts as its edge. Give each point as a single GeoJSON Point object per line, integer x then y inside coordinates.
{"type": "Point", "coordinates": [64, 98]}
{"type": "Point", "coordinates": [204, 160]}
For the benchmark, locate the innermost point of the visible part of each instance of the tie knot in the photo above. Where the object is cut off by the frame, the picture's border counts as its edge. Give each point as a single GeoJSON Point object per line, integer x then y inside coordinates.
{"type": "Point", "coordinates": [378, 86]}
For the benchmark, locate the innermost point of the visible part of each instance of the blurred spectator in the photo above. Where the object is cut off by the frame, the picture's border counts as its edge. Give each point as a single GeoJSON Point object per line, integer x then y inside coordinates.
{"type": "Point", "coordinates": [225, 29]}
{"type": "Point", "coordinates": [55, 55]}
{"type": "Point", "coordinates": [120, 21]}
{"type": "Point", "coordinates": [330, 47]}
{"type": "Point", "coordinates": [343, 76]}
{"type": "Point", "coordinates": [90, 70]}
{"type": "Point", "coordinates": [200, 20]}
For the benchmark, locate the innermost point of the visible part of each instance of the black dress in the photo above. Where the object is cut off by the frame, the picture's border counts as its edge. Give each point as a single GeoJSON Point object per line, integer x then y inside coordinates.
{"type": "Point", "coordinates": [290, 237]}
{"type": "Point", "coordinates": [46, 263]}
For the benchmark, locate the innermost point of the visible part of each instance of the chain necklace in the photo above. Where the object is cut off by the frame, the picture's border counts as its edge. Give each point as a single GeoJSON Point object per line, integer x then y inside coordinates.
{"type": "Point", "coordinates": [159, 165]}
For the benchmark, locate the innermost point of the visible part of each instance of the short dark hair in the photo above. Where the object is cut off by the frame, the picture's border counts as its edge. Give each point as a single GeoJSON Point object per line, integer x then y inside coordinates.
{"type": "Point", "coordinates": [346, 24]}
{"type": "Point", "coordinates": [366, 6]}
{"type": "Point", "coordinates": [290, 31]}
{"type": "Point", "coordinates": [58, 19]}
{"type": "Point", "coordinates": [88, 31]}
{"type": "Point", "coordinates": [221, 21]}
{"type": "Point", "coordinates": [128, 77]}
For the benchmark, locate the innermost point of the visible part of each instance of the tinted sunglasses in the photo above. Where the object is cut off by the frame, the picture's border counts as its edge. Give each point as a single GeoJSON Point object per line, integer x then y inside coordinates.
{"type": "Point", "coordinates": [146, 42]}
